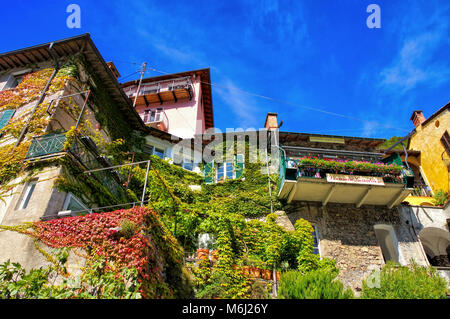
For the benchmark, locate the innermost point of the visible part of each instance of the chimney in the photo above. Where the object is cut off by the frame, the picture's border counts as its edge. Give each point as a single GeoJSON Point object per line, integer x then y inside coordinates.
{"type": "Point", "coordinates": [113, 69]}
{"type": "Point", "coordinates": [271, 121]}
{"type": "Point", "coordinates": [418, 118]}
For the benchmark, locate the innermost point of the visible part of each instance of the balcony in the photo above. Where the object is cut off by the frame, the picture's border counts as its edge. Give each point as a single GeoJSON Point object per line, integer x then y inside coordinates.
{"type": "Point", "coordinates": [156, 118]}
{"type": "Point", "coordinates": [83, 151]}
{"type": "Point", "coordinates": [160, 92]}
{"type": "Point", "coordinates": [338, 181]}
{"type": "Point", "coordinates": [46, 145]}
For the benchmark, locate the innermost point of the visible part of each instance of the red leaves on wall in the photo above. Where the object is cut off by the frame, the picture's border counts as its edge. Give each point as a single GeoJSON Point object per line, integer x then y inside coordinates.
{"type": "Point", "coordinates": [96, 234]}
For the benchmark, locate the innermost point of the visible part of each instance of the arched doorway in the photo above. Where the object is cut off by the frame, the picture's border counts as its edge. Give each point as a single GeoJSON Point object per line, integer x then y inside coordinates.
{"type": "Point", "coordinates": [436, 243]}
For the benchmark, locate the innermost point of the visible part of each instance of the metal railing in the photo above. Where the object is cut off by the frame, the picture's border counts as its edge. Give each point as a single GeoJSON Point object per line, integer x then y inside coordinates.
{"type": "Point", "coordinates": [290, 169]}
{"type": "Point", "coordinates": [421, 189]}
{"type": "Point", "coordinates": [46, 145]}
{"type": "Point", "coordinates": [160, 86]}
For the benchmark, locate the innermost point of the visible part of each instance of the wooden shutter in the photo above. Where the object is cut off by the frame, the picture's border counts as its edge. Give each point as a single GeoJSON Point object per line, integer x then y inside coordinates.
{"type": "Point", "coordinates": [239, 165]}
{"type": "Point", "coordinates": [445, 140]}
{"type": "Point", "coordinates": [209, 172]}
{"type": "Point", "coordinates": [5, 116]}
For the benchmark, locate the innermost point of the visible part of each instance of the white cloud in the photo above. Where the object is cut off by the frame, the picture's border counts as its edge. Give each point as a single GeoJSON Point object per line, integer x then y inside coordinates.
{"type": "Point", "coordinates": [241, 106]}
{"type": "Point", "coordinates": [415, 63]}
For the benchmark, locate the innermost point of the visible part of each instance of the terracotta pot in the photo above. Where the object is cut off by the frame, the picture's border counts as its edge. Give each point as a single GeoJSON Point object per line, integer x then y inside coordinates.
{"type": "Point", "coordinates": [246, 270]}
{"type": "Point", "coordinates": [213, 255]}
{"type": "Point", "coordinates": [267, 274]}
{"type": "Point", "coordinates": [255, 272]}
{"type": "Point", "coordinates": [202, 254]}
{"type": "Point", "coordinates": [278, 276]}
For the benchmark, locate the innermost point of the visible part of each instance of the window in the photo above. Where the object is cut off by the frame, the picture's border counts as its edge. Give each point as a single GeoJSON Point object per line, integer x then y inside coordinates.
{"type": "Point", "coordinates": [316, 241]}
{"type": "Point", "coordinates": [188, 165]}
{"type": "Point", "coordinates": [13, 81]}
{"type": "Point", "coordinates": [152, 150]}
{"type": "Point", "coordinates": [158, 152]}
{"type": "Point", "coordinates": [224, 171]}
{"type": "Point", "coordinates": [152, 115]}
{"type": "Point", "coordinates": [388, 242]}
{"type": "Point", "coordinates": [148, 149]}
{"type": "Point", "coordinates": [5, 116]}
{"type": "Point", "coordinates": [26, 194]}
{"type": "Point", "coordinates": [73, 203]}
{"type": "Point", "coordinates": [445, 140]}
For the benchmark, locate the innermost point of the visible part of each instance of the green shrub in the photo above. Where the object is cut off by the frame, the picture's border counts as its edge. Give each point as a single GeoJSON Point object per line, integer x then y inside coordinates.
{"type": "Point", "coordinates": [440, 197]}
{"type": "Point", "coordinates": [316, 284]}
{"type": "Point", "coordinates": [403, 282]}
{"type": "Point", "coordinates": [127, 228]}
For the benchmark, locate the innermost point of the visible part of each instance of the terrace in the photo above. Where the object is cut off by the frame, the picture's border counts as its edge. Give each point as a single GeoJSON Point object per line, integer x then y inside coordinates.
{"type": "Point", "coordinates": [83, 152]}
{"type": "Point", "coordinates": [170, 90]}
{"type": "Point", "coordinates": [336, 176]}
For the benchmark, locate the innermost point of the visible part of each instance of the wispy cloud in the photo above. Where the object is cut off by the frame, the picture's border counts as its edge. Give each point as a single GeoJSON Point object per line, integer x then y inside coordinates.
{"type": "Point", "coordinates": [242, 106]}
{"type": "Point", "coordinates": [415, 65]}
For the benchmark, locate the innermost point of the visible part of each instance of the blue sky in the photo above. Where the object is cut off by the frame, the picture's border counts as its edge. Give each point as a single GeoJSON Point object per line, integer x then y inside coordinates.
{"type": "Point", "coordinates": [311, 54]}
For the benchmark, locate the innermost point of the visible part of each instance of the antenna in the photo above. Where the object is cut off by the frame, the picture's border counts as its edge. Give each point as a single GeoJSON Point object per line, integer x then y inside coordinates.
{"type": "Point", "coordinates": [144, 65]}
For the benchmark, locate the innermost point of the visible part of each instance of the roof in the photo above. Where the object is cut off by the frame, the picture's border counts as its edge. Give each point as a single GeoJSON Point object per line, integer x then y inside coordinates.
{"type": "Point", "coordinates": [442, 109]}
{"type": "Point", "coordinates": [205, 85]}
{"type": "Point", "coordinates": [363, 141]}
{"type": "Point", "coordinates": [68, 47]}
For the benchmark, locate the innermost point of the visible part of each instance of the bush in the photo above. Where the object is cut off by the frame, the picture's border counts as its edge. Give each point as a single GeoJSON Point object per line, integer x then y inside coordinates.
{"type": "Point", "coordinates": [127, 228]}
{"type": "Point", "coordinates": [440, 197]}
{"type": "Point", "coordinates": [316, 284]}
{"type": "Point", "coordinates": [403, 282]}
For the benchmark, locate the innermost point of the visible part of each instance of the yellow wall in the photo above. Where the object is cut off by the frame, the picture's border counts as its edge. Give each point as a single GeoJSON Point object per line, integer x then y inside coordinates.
{"type": "Point", "coordinates": [427, 140]}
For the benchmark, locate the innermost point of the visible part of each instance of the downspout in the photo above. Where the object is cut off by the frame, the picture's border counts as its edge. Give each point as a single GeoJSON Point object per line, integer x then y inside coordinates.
{"type": "Point", "coordinates": [42, 97]}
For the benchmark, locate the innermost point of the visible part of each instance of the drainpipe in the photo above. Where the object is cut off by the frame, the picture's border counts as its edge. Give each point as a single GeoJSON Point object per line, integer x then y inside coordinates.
{"type": "Point", "coordinates": [42, 97]}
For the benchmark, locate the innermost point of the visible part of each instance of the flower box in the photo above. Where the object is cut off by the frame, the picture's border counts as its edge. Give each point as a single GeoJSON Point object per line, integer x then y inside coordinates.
{"type": "Point", "coordinates": [266, 274]}
{"type": "Point", "coordinates": [255, 272]}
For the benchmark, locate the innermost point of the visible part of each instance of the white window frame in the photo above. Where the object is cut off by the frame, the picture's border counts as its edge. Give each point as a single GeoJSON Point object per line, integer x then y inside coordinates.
{"type": "Point", "coordinates": [14, 77]}
{"type": "Point", "coordinates": [226, 164]}
{"type": "Point", "coordinates": [26, 194]}
{"type": "Point", "coordinates": [70, 196]}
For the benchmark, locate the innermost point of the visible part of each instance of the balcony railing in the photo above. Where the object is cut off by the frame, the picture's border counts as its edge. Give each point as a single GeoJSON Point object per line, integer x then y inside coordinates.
{"type": "Point", "coordinates": [170, 90]}
{"type": "Point", "coordinates": [390, 173]}
{"type": "Point", "coordinates": [421, 189]}
{"type": "Point", "coordinates": [339, 181]}
{"type": "Point", "coordinates": [45, 145]}
{"type": "Point", "coordinates": [157, 119]}
{"type": "Point", "coordinates": [83, 150]}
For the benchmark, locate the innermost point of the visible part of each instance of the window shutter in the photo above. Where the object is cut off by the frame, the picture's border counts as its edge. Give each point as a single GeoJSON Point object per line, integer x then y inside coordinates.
{"type": "Point", "coordinates": [5, 116]}
{"type": "Point", "coordinates": [445, 140]}
{"type": "Point", "coordinates": [209, 172]}
{"type": "Point", "coordinates": [239, 165]}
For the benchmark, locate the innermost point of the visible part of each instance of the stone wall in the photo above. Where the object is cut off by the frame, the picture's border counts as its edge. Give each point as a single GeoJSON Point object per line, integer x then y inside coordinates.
{"type": "Point", "coordinates": [347, 234]}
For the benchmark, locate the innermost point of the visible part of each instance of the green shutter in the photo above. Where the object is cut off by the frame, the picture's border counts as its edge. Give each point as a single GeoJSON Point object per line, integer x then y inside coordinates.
{"type": "Point", "coordinates": [209, 173]}
{"type": "Point", "coordinates": [5, 117]}
{"type": "Point", "coordinates": [239, 165]}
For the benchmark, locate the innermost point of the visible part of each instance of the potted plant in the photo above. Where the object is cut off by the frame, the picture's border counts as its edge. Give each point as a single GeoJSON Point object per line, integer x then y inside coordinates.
{"type": "Point", "coordinates": [266, 274]}
{"type": "Point", "coordinates": [202, 253]}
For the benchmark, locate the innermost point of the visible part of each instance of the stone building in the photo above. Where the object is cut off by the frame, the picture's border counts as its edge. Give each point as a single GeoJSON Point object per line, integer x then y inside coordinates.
{"type": "Point", "coordinates": [358, 212]}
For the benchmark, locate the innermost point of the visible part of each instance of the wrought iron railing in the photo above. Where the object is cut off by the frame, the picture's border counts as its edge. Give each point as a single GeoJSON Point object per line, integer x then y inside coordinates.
{"type": "Point", "coordinates": [83, 150]}
{"type": "Point", "coordinates": [421, 189]}
{"type": "Point", "coordinates": [45, 145]}
{"type": "Point", "coordinates": [290, 169]}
